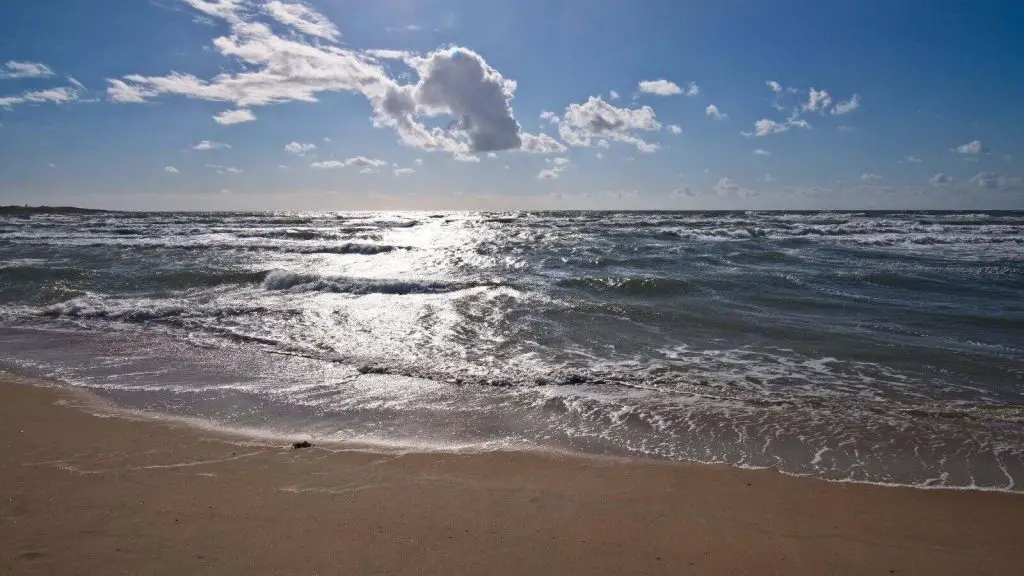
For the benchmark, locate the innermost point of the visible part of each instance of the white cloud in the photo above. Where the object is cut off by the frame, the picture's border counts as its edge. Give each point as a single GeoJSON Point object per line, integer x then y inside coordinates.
{"type": "Point", "coordinates": [726, 187]}
{"type": "Point", "coordinates": [869, 177]}
{"type": "Point", "coordinates": [613, 95]}
{"type": "Point", "coordinates": [762, 152]}
{"type": "Point", "coordinates": [973, 148]}
{"type": "Point", "coordinates": [403, 171]}
{"type": "Point", "coordinates": [171, 170]}
{"type": "Point", "coordinates": [600, 156]}
{"type": "Point", "coordinates": [817, 101]}
{"type": "Point", "coordinates": [595, 122]}
{"type": "Point", "coordinates": [993, 181]}
{"type": "Point", "coordinates": [715, 113]}
{"type": "Point", "coordinates": [683, 192]}
{"type": "Point", "coordinates": [692, 89]}
{"type": "Point", "coordinates": [767, 127]}
{"type": "Point", "coordinates": [418, 161]}
{"type": "Point", "coordinates": [940, 179]}
{"type": "Point", "coordinates": [548, 115]}
{"type": "Point", "coordinates": [14, 70]}
{"type": "Point", "coordinates": [847, 106]}
{"type": "Point", "coordinates": [675, 129]}
{"type": "Point", "coordinates": [210, 145]}
{"type": "Point", "coordinates": [775, 86]}
{"type": "Point", "coordinates": [225, 169]}
{"type": "Point", "coordinates": [453, 81]}
{"type": "Point", "coordinates": [541, 144]}
{"type": "Point", "coordinates": [302, 18]}
{"type": "Point", "coordinates": [54, 95]}
{"type": "Point", "coordinates": [299, 148]}
{"type": "Point", "coordinates": [559, 166]}
{"type": "Point", "coordinates": [229, 117]}
{"type": "Point", "coordinates": [912, 160]}
{"type": "Point", "coordinates": [361, 161]}
{"type": "Point", "coordinates": [660, 87]}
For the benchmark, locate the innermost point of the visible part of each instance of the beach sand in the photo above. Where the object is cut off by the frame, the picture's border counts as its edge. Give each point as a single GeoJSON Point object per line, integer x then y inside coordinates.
{"type": "Point", "coordinates": [83, 494]}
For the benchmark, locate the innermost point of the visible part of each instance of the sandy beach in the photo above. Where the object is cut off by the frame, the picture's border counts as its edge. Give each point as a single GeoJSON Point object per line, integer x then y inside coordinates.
{"type": "Point", "coordinates": [84, 494]}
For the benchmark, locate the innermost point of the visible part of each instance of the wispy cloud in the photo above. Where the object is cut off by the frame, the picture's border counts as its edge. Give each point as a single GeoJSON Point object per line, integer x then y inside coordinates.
{"type": "Point", "coordinates": [15, 70]}
{"type": "Point", "coordinates": [358, 161]}
{"type": "Point", "coordinates": [210, 145]}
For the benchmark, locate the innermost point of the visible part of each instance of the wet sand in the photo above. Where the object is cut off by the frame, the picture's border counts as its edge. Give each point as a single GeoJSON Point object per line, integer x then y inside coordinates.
{"type": "Point", "coordinates": [83, 494]}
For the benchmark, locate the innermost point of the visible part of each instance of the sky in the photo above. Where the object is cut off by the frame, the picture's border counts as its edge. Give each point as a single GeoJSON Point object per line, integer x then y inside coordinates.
{"type": "Point", "coordinates": [512, 104]}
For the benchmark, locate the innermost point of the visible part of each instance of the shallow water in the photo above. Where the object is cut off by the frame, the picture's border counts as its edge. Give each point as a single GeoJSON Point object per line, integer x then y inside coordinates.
{"type": "Point", "coordinates": [879, 347]}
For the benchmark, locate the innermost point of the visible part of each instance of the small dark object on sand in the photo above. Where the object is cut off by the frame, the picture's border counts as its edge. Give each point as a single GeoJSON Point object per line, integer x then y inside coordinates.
{"type": "Point", "coordinates": [302, 444]}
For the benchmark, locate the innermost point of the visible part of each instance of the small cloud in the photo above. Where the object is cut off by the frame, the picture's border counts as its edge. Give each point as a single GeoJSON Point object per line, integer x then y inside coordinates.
{"type": "Point", "coordinates": [14, 70]}
{"type": "Point", "coordinates": [52, 165]}
{"type": "Point", "coordinates": [613, 95]}
{"type": "Point", "coordinates": [972, 148]}
{"type": "Point", "coordinates": [775, 86]}
{"type": "Point", "coordinates": [229, 117]}
{"type": "Point", "coordinates": [600, 156]}
{"type": "Point", "coordinates": [767, 178]}
{"type": "Point", "coordinates": [366, 163]}
{"type": "Point", "coordinates": [675, 129]}
{"type": "Point", "coordinates": [940, 179]}
{"type": "Point", "coordinates": [551, 174]}
{"type": "Point", "coordinates": [327, 140]}
{"type": "Point", "coordinates": [692, 89]}
{"type": "Point", "coordinates": [660, 87]}
{"type": "Point", "coordinates": [992, 180]}
{"type": "Point", "coordinates": [225, 169]}
{"type": "Point", "coordinates": [171, 170]}
{"type": "Point", "coordinates": [726, 187]}
{"type": "Point", "coordinates": [210, 145]}
{"type": "Point", "coordinates": [418, 161]}
{"type": "Point", "coordinates": [492, 154]}
{"type": "Point", "coordinates": [715, 113]}
{"type": "Point", "coordinates": [225, 191]}
{"type": "Point", "coordinates": [847, 106]}
{"type": "Point", "coordinates": [403, 171]}
{"type": "Point", "coordinates": [762, 152]}
{"type": "Point", "coordinates": [683, 192]}
{"type": "Point", "coordinates": [869, 177]}
{"type": "Point", "coordinates": [298, 148]}
{"type": "Point", "coordinates": [913, 160]}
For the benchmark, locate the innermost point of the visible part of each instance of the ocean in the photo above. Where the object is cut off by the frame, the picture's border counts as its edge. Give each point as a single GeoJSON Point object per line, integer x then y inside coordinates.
{"type": "Point", "coordinates": [882, 347]}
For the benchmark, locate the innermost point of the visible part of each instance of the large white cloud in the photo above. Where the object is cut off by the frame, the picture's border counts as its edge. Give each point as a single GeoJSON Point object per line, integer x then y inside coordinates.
{"type": "Point", "coordinates": [15, 70]}
{"type": "Point", "coordinates": [595, 122]}
{"type": "Point", "coordinates": [273, 68]}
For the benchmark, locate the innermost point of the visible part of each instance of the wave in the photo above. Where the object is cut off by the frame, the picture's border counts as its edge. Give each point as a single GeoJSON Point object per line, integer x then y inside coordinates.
{"type": "Point", "coordinates": [302, 282]}
{"type": "Point", "coordinates": [638, 287]}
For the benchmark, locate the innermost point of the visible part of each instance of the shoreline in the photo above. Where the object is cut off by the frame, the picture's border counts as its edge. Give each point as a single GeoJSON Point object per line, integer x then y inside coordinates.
{"type": "Point", "coordinates": [91, 493]}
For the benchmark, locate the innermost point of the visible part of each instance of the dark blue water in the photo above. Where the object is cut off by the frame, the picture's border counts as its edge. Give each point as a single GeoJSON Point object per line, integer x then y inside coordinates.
{"type": "Point", "coordinates": [881, 347]}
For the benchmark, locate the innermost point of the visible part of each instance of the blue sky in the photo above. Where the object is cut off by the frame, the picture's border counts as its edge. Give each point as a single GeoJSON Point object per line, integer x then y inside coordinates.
{"type": "Point", "coordinates": [403, 104]}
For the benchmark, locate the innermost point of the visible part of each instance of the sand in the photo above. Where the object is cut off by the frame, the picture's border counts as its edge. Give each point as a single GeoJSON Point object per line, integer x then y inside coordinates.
{"type": "Point", "coordinates": [83, 494]}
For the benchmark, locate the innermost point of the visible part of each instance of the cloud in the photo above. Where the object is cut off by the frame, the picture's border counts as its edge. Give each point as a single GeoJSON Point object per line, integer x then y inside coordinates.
{"type": "Point", "coordinates": [403, 171]}
{"type": "Point", "coordinates": [726, 187]}
{"type": "Point", "coordinates": [847, 106]}
{"type": "Point", "coordinates": [418, 161]}
{"type": "Point", "coordinates": [14, 70]}
{"type": "Point", "coordinates": [595, 122]}
{"type": "Point", "coordinates": [53, 95]}
{"type": "Point", "coordinates": [767, 127]}
{"type": "Point", "coordinates": [360, 161]}
{"type": "Point", "coordinates": [675, 129]}
{"type": "Point", "coordinates": [613, 95]}
{"type": "Point", "coordinates": [912, 160]}
{"type": "Point", "coordinates": [692, 89]}
{"type": "Point", "coordinates": [845, 128]}
{"type": "Point", "coordinates": [541, 144]}
{"type": "Point", "coordinates": [298, 148]}
{"type": "Point", "coordinates": [767, 178]}
{"type": "Point", "coordinates": [225, 169]}
{"type": "Point", "coordinates": [775, 86]}
{"type": "Point", "coordinates": [303, 19]}
{"type": "Point", "coordinates": [275, 68]}
{"type": "Point", "coordinates": [817, 101]}
{"type": "Point", "coordinates": [171, 170]}
{"type": "Point", "coordinates": [869, 177]}
{"type": "Point", "coordinates": [210, 145]}
{"type": "Point", "coordinates": [972, 148]}
{"type": "Point", "coordinates": [992, 180]}
{"type": "Point", "coordinates": [660, 87]}
{"type": "Point", "coordinates": [715, 113]}
{"type": "Point", "coordinates": [229, 117]}
{"type": "Point", "coordinates": [762, 152]}
{"type": "Point", "coordinates": [683, 192]}
{"type": "Point", "coordinates": [559, 166]}
{"type": "Point", "coordinates": [548, 115]}
{"type": "Point", "coordinates": [940, 179]}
